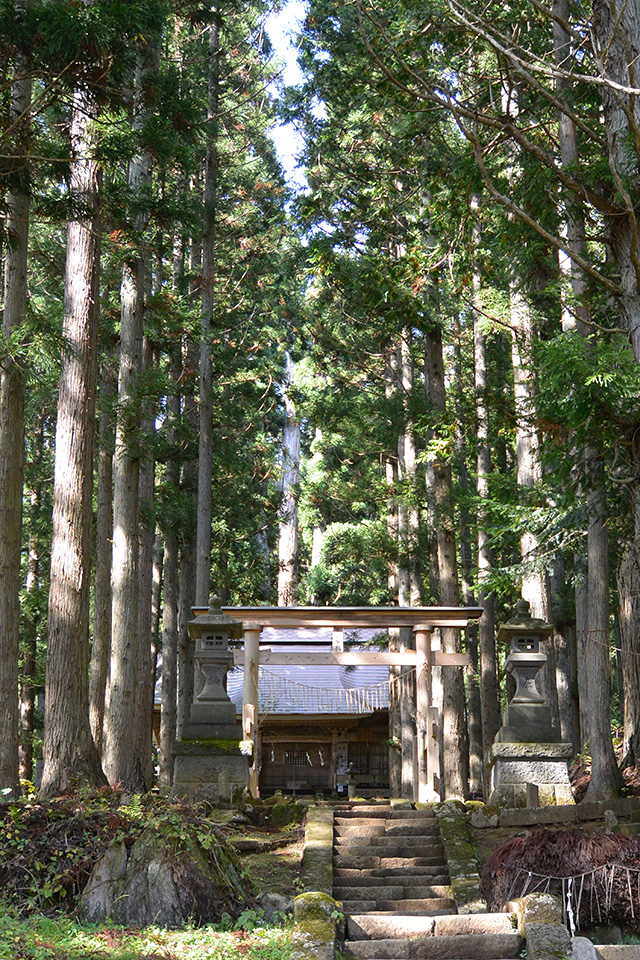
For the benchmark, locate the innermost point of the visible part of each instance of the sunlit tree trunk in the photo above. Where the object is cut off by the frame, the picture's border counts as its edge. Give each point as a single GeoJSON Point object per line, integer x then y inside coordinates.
{"type": "Point", "coordinates": [121, 757]}
{"type": "Point", "coordinates": [488, 665]}
{"type": "Point", "coordinates": [70, 755]}
{"type": "Point", "coordinates": [146, 543]}
{"type": "Point", "coordinates": [474, 709]}
{"type": "Point", "coordinates": [288, 528]}
{"type": "Point", "coordinates": [605, 779]}
{"type": "Point", "coordinates": [455, 767]}
{"type": "Point", "coordinates": [170, 609]}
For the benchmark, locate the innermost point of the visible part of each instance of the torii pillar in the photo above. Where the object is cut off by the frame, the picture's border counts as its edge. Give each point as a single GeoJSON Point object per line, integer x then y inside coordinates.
{"type": "Point", "coordinates": [251, 631]}
{"type": "Point", "coordinates": [428, 766]}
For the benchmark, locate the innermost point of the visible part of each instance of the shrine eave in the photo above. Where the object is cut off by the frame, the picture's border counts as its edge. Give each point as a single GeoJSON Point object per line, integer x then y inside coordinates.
{"type": "Point", "coordinates": [353, 617]}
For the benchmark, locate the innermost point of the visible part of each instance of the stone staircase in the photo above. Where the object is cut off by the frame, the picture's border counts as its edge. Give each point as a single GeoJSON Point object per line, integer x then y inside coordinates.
{"type": "Point", "coordinates": [390, 872]}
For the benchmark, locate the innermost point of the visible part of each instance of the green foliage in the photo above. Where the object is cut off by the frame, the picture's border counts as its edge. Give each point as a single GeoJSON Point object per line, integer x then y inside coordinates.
{"type": "Point", "coordinates": [41, 938]}
{"type": "Point", "coordinates": [353, 567]}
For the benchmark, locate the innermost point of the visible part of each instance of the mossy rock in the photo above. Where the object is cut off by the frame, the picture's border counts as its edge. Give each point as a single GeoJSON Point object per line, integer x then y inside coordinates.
{"type": "Point", "coordinates": [168, 877]}
{"type": "Point", "coordinates": [316, 917]}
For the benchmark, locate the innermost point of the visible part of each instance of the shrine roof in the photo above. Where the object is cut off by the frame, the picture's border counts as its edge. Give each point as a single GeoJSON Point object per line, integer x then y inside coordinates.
{"type": "Point", "coordinates": [306, 688]}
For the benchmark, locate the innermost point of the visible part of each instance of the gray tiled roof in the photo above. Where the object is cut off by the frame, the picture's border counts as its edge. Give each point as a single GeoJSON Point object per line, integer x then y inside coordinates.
{"type": "Point", "coordinates": [305, 689]}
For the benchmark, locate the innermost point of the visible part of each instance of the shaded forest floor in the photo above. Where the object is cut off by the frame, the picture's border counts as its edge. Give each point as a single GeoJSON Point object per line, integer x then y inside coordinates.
{"type": "Point", "coordinates": [581, 774]}
{"type": "Point", "coordinates": [46, 850]}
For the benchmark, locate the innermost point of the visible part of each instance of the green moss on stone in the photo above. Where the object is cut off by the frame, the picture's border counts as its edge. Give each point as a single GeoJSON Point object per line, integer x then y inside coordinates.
{"type": "Point", "coordinates": [228, 748]}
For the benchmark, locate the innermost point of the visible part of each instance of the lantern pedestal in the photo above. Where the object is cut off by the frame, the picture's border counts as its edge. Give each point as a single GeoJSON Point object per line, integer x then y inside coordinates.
{"type": "Point", "coordinates": [209, 770]}
{"type": "Point", "coordinates": [208, 762]}
{"type": "Point", "coordinates": [529, 764]}
{"type": "Point", "coordinates": [530, 774]}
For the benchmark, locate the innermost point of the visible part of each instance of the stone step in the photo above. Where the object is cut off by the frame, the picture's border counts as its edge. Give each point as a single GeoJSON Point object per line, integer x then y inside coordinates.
{"type": "Point", "coordinates": [369, 828]}
{"type": "Point", "coordinates": [376, 839]}
{"type": "Point", "coordinates": [437, 880]}
{"type": "Point", "coordinates": [622, 951]}
{"type": "Point", "coordinates": [370, 862]}
{"type": "Point", "coordinates": [405, 863]}
{"type": "Point", "coordinates": [374, 828]}
{"type": "Point", "coordinates": [376, 927]}
{"type": "Point", "coordinates": [398, 854]}
{"type": "Point", "coordinates": [411, 828]}
{"type": "Point", "coordinates": [426, 905]}
{"type": "Point", "coordinates": [499, 946]}
{"type": "Point", "coordinates": [413, 844]}
{"type": "Point", "coordinates": [380, 811]}
{"type": "Point", "coordinates": [385, 891]}
{"type": "Point", "coordinates": [421, 874]}
{"type": "Point", "coordinates": [403, 879]}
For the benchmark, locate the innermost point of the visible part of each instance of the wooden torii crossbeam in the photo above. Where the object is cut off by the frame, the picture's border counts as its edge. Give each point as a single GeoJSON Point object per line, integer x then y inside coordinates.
{"type": "Point", "coordinates": [422, 620]}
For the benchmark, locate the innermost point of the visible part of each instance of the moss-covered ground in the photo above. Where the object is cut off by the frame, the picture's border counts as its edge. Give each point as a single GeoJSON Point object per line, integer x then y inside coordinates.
{"type": "Point", "coordinates": [35, 926]}
{"type": "Point", "coordinates": [60, 938]}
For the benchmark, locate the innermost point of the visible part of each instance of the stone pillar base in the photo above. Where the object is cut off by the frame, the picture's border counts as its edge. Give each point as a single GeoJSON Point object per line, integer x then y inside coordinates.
{"type": "Point", "coordinates": [530, 774]}
{"type": "Point", "coordinates": [205, 771]}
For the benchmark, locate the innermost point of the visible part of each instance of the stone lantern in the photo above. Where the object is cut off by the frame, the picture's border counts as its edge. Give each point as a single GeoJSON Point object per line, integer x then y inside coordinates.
{"type": "Point", "coordinates": [529, 763]}
{"type": "Point", "coordinates": [212, 712]}
{"type": "Point", "coordinates": [209, 763]}
{"type": "Point", "coordinates": [528, 716]}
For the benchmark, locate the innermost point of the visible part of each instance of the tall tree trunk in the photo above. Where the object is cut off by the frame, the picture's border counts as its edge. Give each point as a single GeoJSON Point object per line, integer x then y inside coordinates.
{"type": "Point", "coordinates": [121, 759]}
{"type": "Point", "coordinates": [145, 686]}
{"type": "Point", "coordinates": [574, 318]}
{"type": "Point", "coordinates": [474, 711]}
{"type": "Point", "coordinates": [170, 611]}
{"type": "Point", "coordinates": [288, 529]}
{"type": "Point", "coordinates": [101, 647]}
{"type": "Point", "coordinates": [70, 755]}
{"type": "Point", "coordinates": [29, 661]}
{"type": "Point", "coordinates": [488, 664]}
{"type": "Point", "coordinates": [408, 579]}
{"type": "Point", "coordinates": [395, 644]}
{"type": "Point", "coordinates": [12, 436]}
{"type": "Point", "coordinates": [582, 632]}
{"type": "Point", "coordinates": [455, 766]}
{"type": "Point", "coordinates": [628, 579]}
{"type": "Point", "coordinates": [205, 447]}
{"type": "Point", "coordinates": [605, 781]}
{"type": "Point", "coordinates": [187, 579]}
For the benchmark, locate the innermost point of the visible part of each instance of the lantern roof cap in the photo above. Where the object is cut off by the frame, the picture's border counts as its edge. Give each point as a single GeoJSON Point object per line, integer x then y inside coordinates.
{"type": "Point", "coordinates": [523, 622]}
{"type": "Point", "coordinates": [215, 619]}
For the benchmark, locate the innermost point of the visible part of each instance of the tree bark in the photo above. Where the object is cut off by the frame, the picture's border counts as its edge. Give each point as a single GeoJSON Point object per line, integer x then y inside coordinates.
{"type": "Point", "coordinates": [70, 756]}
{"type": "Point", "coordinates": [455, 767]}
{"type": "Point", "coordinates": [205, 446]}
{"type": "Point", "coordinates": [288, 530]}
{"type": "Point", "coordinates": [474, 711]}
{"type": "Point", "coordinates": [605, 781]}
{"type": "Point", "coordinates": [145, 686]}
{"type": "Point", "coordinates": [170, 611]}
{"type": "Point", "coordinates": [488, 664]}
{"type": "Point", "coordinates": [12, 387]}
{"type": "Point", "coordinates": [628, 579]}
{"type": "Point", "coordinates": [29, 660]}
{"type": "Point", "coordinates": [101, 647]}
{"type": "Point", "coordinates": [121, 759]}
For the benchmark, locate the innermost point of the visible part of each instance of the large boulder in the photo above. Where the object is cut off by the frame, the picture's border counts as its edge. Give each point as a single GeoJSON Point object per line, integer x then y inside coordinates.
{"type": "Point", "coordinates": [166, 879]}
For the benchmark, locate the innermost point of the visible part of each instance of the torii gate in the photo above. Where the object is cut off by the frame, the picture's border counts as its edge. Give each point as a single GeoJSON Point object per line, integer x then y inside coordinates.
{"type": "Point", "coordinates": [423, 620]}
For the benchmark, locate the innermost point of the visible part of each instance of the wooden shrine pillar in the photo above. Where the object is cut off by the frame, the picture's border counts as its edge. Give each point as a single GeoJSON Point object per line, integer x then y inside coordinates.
{"type": "Point", "coordinates": [251, 632]}
{"type": "Point", "coordinates": [428, 760]}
